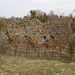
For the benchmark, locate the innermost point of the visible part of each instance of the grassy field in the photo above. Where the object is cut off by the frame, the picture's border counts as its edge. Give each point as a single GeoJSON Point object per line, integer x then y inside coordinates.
{"type": "Point", "coordinates": [14, 65]}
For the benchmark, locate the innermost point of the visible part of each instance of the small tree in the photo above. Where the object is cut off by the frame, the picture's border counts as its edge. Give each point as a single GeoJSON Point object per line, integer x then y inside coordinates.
{"type": "Point", "coordinates": [33, 14]}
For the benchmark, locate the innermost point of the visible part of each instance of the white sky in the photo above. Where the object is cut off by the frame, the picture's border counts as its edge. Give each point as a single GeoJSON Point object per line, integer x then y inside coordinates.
{"type": "Point", "coordinates": [20, 8]}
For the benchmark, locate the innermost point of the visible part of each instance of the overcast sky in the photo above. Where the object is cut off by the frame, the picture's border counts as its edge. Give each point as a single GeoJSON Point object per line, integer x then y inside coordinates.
{"type": "Point", "coordinates": [20, 8]}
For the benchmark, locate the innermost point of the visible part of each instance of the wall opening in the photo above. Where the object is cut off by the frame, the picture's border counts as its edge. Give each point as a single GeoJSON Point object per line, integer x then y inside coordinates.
{"type": "Point", "coordinates": [44, 37]}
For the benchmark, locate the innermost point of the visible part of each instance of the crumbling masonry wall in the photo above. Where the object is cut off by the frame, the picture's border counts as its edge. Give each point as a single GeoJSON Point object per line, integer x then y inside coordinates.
{"type": "Point", "coordinates": [27, 34]}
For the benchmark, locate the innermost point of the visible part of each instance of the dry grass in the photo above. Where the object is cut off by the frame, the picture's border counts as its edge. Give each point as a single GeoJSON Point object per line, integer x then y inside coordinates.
{"type": "Point", "coordinates": [10, 65]}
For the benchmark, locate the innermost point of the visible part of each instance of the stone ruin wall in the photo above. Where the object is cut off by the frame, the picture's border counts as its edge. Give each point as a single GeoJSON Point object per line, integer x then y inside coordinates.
{"type": "Point", "coordinates": [29, 34]}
